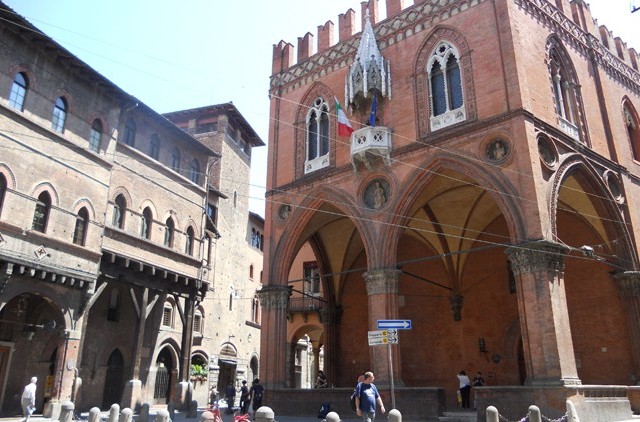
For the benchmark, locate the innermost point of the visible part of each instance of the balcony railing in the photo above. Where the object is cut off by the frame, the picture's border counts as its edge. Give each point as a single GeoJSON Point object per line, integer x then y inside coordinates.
{"type": "Point", "coordinates": [370, 142]}
{"type": "Point", "coordinates": [569, 128]}
{"type": "Point", "coordinates": [305, 304]}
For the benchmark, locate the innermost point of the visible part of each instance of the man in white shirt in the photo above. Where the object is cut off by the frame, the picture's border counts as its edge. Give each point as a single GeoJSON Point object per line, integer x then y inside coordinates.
{"type": "Point", "coordinates": [29, 399]}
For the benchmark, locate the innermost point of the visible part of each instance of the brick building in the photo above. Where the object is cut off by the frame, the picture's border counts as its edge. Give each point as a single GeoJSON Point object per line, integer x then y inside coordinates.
{"type": "Point", "coordinates": [489, 193]}
{"type": "Point", "coordinates": [125, 241]}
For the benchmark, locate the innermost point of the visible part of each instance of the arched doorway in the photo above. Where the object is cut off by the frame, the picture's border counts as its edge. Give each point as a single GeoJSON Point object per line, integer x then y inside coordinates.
{"type": "Point", "coordinates": [227, 361]}
{"type": "Point", "coordinates": [164, 368]}
{"type": "Point", "coordinates": [113, 383]}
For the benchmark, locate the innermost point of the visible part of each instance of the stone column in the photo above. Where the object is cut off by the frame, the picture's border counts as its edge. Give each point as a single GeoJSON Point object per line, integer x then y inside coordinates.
{"type": "Point", "coordinates": [67, 358]}
{"type": "Point", "coordinates": [330, 318]}
{"type": "Point", "coordinates": [629, 291]}
{"type": "Point", "coordinates": [274, 301]}
{"type": "Point", "coordinates": [544, 317]}
{"type": "Point", "coordinates": [382, 291]}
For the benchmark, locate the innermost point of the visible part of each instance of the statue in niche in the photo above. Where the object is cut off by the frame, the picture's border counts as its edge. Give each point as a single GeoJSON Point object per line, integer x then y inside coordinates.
{"type": "Point", "coordinates": [497, 150]}
{"type": "Point", "coordinates": [377, 194]}
{"type": "Point", "coordinates": [284, 212]}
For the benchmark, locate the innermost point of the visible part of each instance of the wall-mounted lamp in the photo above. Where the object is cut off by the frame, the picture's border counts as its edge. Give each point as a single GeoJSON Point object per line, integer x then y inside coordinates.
{"type": "Point", "coordinates": [482, 346]}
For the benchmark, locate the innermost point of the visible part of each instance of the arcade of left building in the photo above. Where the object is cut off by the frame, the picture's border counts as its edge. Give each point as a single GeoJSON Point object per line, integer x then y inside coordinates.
{"type": "Point", "coordinates": [106, 237]}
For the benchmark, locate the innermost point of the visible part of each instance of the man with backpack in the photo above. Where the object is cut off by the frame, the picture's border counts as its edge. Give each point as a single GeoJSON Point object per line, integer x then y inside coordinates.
{"type": "Point", "coordinates": [367, 396]}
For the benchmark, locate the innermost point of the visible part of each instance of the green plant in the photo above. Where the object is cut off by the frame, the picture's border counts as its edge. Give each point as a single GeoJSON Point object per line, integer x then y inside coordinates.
{"type": "Point", "coordinates": [199, 370]}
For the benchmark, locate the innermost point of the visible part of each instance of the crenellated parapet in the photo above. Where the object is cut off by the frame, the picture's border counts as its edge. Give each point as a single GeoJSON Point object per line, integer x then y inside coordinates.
{"type": "Point", "coordinates": [408, 22]}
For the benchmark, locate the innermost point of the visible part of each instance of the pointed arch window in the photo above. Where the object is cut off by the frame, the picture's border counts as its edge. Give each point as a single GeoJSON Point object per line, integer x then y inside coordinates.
{"type": "Point", "coordinates": [59, 115]}
{"type": "Point", "coordinates": [41, 213]}
{"type": "Point", "coordinates": [631, 122]}
{"type": "Point", "coordinates": [130, 132]}
{"type": "Point", "coordinates": [188, 246]}
{"type": "Point", "coordinates": [175, 160]}
{"type": "Point", "coordinates": [119, 208]}
{"type": "Point", "coordinates": [317, 136]}
{"type": "Point", "coordinates": [255, 309]}
{"type": "Point", "coordinates": [565, 94]}
{"type": "Point", "coordinates": [18, 91]}
{"type": "Point", "coordinates": [169, 232]}
{"type": "Point", "coordinates": [194, 171]}
{"type": "Point", "coordinates": [80, 231]}
{"type": "Point", "coordinates": [3, 189]}
{"type": "Point", "coordinates": [154, 147]}
{"type": "Point", "coordinates": [95, 135]}
{"type": "Point", "coordinates": [445, 86]}
{"type": "Point", "coordinates": [145, 223]}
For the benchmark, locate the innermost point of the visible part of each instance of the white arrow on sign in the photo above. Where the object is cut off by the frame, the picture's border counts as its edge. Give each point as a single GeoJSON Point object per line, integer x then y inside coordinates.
{"type": "Point", "coordinates": [400, 324]}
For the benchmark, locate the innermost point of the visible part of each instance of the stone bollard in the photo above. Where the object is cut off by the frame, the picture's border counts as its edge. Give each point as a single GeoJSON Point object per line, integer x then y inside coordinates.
{"type": "Point", "coordinates": [192, 411]}
{"type": "Point", "coordinates": [264, 414]}
{"type": "Point", "coordinates": [114, 412]}
{"type": "Point", "coordinates": [162, 416]}
{"type": "Point", "coordinates": [206, 417]}
{"type": "Point", "coordinates": [492, 414]}
{"type": "Point", "coordinates": [332, 417]}
{"type": "Point", "coordinates": [395, 416]}
{"type": "Point", "coordinates": [94, 415]}
{"type": "Point", "coordinates": [66, 411]}
{"type": "Point", "coordinates": [126, 415]}
{"type": "Point", "coordinates": [144, 413]}
{"type": "Point", "coordinates": [572, 415]}
{"type": "Point", "coordinates": [534, 414]}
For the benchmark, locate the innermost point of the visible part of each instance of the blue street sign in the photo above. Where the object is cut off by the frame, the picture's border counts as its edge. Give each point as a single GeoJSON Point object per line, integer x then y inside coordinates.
{"type": "Point", "coordinates": [398, 324]}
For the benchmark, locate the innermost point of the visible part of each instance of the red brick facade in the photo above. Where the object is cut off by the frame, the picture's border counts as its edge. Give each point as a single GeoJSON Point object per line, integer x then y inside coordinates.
{"type": "Point", "coordinates": [508, 199]}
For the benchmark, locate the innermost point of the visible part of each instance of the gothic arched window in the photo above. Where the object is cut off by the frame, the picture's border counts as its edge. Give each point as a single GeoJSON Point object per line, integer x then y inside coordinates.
{"type": "Point", "coordinates": [154, 147]}
{"type": "Point", "coordinates": [59, 115]}
{"type": "Point", "coordinates": [632, 123]}
{"type": "Point", "coordinates": [169, 231]}
{"type": "Point", "coordinates": [130, 132]}
{"type": "Point", "coordinates": [18, 91]}
{"type": "Point", "coordinates": [80, 231]}
{"type": "Point", "coordinates": [119, 207]}
{"type": "Point", "coordinates": [41, 213]}
{"type": "Point", "coordinates": [95, 135]}
{"type": "Point", "coordinates": [566, 92]}
{"type": "Point", "coordinates": [188, 246]}
{"type": "Point", "coordinates": [145, 223]}
{"type": "Point", "coordinates": [317, 136]}
{"type": "Point", "coordinates": [445, 86]}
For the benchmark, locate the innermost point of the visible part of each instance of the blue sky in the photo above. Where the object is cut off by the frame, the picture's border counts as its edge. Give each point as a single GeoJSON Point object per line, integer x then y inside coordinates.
{"type": "Point", "coordinates": [180, 55]}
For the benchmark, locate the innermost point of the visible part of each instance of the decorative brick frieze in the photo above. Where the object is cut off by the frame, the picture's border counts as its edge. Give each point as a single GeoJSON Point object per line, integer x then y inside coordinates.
{"type": "Point", "coordinates": [381, 281]}
{"type": "Point", "coordinates": [586, 44]}
{"type": "Point", "coordinates": [274, 297]}
{"type": "Point", "coordinates": [536, 256]}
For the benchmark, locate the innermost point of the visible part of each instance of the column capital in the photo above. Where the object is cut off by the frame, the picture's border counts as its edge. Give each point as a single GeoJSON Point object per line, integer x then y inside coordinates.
{"type": "Point", "coordinates": [628, 283]}
{"type": "Point", "coordinates": [540, 255]}
{"type": "Point", "coordinates": [274, 297]}
{"type": "Point", "coordinates": [382, 281]}
{"type": "Point", "coordinates": [330, 315]}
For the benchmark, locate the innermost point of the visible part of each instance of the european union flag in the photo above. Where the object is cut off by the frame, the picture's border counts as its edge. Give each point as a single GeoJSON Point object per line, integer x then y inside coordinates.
{"type": "Point", "coordinates": [372, 116]}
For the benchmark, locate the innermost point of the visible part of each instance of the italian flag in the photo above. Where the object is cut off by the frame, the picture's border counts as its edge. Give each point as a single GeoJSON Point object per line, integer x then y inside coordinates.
{"type": "Point", "coordinates": [344, 127]}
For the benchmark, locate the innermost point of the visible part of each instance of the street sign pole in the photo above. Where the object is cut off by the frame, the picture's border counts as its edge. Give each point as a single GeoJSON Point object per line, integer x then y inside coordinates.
{"type": "Point", "coordinates": [393, 394]}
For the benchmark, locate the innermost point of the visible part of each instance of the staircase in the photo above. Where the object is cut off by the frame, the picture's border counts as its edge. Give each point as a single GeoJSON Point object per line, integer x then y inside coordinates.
{"type": "Point", "coordinates": [458, 416]}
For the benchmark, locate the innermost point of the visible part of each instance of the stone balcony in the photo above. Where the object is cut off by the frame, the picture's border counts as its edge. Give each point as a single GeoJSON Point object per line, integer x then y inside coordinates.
{"type": "Point", "coordinates": [370, 143]}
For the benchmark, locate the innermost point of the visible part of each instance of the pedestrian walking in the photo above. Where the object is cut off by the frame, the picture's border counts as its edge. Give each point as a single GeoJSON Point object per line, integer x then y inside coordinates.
{"type": "Point", "coordinates": [465, 389]}
{"type": "Point", "coordinates": [367, 397]}
{"type": "Point", "coordinates": [29, 399]}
